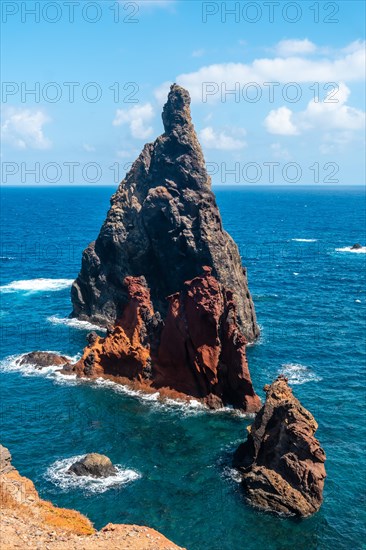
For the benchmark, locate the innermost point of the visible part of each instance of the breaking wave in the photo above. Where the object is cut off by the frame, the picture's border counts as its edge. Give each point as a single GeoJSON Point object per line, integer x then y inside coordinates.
{"type": "Point", "coordinates": [299, 374]}
{"type": "Point", "coordinates": [74, 323]}
{"type": "Point", "coordinates": [36, 285]}
{"type": "Point", "coordinates": [305, 240]}
{"type": "Point", "coordinates": [57, 474]}
{"type": "Point", "coordinates": [353, 250]}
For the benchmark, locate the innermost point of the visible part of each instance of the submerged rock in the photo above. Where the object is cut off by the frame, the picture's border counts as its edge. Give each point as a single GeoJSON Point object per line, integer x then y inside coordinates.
{"type": "Point", "coordinates": [41, 359]}
{"type": "Point", "coordinates": [282, 464]}
{"type": "Point", "coordinates": [94, 465]}
{"type": "Point", "coordinates": [163, 224]}
{"type": "Point", "coordinates": [198, 350]}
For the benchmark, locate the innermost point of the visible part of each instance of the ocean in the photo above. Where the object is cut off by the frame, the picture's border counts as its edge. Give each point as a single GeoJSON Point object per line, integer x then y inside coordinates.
{"type": "Point", "coordinates": [174, 461]}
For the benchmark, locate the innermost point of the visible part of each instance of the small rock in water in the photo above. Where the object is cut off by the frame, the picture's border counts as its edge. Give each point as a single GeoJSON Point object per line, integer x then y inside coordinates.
{"type": "Point", "coordinates": [43, 359]}
{"type": "Point", "coordinates": [356, 246]}
{"type": "Point", "coordinates": [94, 465]}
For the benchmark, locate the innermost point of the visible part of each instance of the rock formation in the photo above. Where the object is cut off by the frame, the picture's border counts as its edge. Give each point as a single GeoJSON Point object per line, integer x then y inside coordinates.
{"type": "Point", "coordinates": [27, 521]}
{"type": "Point", "coordinates": [197, 351]}
{"type": "Point", "coordinates": [42, 359]}
{"type": "Point", "coordinates": [93, 465]}
{"type": "Point", "coordinates": [163, 224]}
{"type": "Point", "coordinates": [356, 246]}
{"type": "Point", "coordinates": [282, 464]}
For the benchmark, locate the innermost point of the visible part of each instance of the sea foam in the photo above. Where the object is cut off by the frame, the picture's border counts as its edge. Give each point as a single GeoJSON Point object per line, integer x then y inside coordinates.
{"type": "Point", "coordinates": [12, 363]}
{"type": "Point", "coordinates": [353, 250]}
{"type": "Point", "coordinates": [36, 285]}
{"type": "Point", "coordinates": [74, 323]}
{"type": "Point", "coordinates": [57, 474]}
{"type": "Point", "coordinates": [298, 374]}
{"type": "Point", "coordinates": [305, 240]}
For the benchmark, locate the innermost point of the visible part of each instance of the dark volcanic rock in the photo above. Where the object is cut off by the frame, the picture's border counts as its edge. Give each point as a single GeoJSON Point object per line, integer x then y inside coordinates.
{"type": "Point", "coordinates": [41, 359]}
{"type": "Point", "coordinates": [356, 246]}
{"type": "Point", "coordinates": [282, 464]}
{"type": "Point", "coordinates": [164, 224]}
{"type": "Point", "coordinates": [94, 465]}
{"type": "Point", "coordinates": [198, 351]}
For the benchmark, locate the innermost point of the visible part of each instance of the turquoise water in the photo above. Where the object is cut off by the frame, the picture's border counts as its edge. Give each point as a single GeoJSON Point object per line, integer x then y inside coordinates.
{"type": "Point", "coordinates": [175, 462]}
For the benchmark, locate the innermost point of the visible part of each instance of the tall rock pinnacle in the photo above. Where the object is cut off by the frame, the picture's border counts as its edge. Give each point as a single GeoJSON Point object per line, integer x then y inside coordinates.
{"type": "Point", "coordinates": [163, 224]}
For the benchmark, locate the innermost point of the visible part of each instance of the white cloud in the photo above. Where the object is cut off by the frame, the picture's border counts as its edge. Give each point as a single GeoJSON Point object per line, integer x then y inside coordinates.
{"type": "Point", "coordinates": [88, 148]}
{"type": "Point", "coordinates": [198, 53]}
{"type": "Point", "coordinates": [124, 154]}
{"type": "Point", "coordinates": [345, 66]}
{"type": "Point", "coordinates": [279, 121]}
{"type": "Point", "coordinates": [212, 139]}
{"type": "Point", "coordinates": [337, 115]}
{"type": "Point", "coordinates": [332, 113]}
{"type": "Point", "coordinates": [280, 152]}
{"type": "Point", "coordinates": [334, 142]}
{"type": "Point", "coordinates": [286, 48]}
{"type": "Point", "coordinates": [137, 118]}
{"type": "Point", "coordinates": [23, 128]}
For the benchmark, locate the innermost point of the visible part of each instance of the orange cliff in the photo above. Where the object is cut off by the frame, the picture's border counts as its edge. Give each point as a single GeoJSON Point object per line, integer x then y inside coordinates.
{"type": "Point", "coordinates": [198, 351]}
{"type": "Point", "coordinates": [27, 521]}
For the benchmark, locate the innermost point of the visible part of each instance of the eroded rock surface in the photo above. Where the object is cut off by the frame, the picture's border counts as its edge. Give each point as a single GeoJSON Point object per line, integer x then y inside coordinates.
{"type": "Point", "coordinates": [163, 224]}
{"type": "Point", "coordinates": [282, 463]}
{"type": "Point", "coordinates": [198, 350]}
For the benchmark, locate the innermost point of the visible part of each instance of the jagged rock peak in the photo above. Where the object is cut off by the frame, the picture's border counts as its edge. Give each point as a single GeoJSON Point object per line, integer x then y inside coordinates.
{"type": "Point", "coordinates": [177, 111]}
{"type": "Point", "coordinates": [164, 224]}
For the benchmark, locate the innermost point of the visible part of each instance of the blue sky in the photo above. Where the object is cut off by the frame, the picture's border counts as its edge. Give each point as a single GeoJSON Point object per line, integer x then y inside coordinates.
{"type": "Point", "coordinates": [296, 68]}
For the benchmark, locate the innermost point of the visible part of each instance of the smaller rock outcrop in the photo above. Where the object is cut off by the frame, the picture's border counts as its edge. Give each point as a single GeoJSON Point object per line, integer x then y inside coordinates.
{"type": "Point", "coordinates": [93, 465]}
{"type": "Point", "coordinates": [356, 246]}
{"type": "Point", "coordinates": [42, 359]}
{"type": "Point", "coordinates": [282, 464]}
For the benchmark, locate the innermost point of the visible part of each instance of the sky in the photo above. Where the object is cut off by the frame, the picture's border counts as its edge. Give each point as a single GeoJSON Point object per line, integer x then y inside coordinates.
{"type": "Point", "coordinates": [277, 88]}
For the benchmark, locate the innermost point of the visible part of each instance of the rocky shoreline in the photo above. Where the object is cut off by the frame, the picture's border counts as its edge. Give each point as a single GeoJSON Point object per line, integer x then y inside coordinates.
{"type": "Point", "coordinates": [27, 521]}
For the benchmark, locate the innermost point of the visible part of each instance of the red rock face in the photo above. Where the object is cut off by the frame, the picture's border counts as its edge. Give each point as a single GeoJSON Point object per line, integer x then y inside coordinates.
{"type": "Point", "coordinates": [125, 351]}
{"type": "Point", "coordinates": [199, 351]}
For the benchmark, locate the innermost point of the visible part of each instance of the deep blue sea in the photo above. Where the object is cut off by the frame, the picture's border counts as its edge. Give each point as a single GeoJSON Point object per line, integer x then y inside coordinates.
{"type": "Point", "coordinates": [175, 462]}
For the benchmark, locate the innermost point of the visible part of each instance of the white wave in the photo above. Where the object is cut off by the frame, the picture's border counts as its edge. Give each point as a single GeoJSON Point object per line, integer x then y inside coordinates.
{"type": "Point", "coordinates": [298, 374]}
{"type": "Point", "coordinates": [74, 323]}
{"type": "Point", "coordinates": [295, 273]}
{"type": "Point", "coordinates": [264, 296]}
{"type": "Point", "coordinates": [57, 474]}
{"type": "Point", "coordinates": [358, 301]}
{"type": "Point", "coordinates": [305, 240]}
{"type": "Point", "coordinates": [353, 250]}
{"type": "Point", "coordinates": [36, 285]}
{"type": "Point", "coordinates": [186, 407]}
{"type": "Point", "coordinates": [7, 258]}
{"type": "Point", "coordinates": [12, 363]}
{"type": "Point", "coordinates": [232, 473]}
